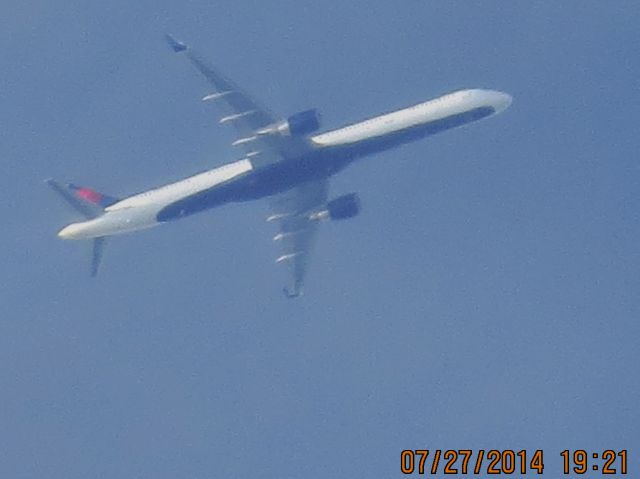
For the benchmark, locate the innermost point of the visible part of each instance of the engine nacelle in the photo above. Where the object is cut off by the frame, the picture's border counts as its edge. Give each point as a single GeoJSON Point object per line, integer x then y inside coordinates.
{"type": "Point", "coordinates": [299, 124]}
{"type": "Point", "coordinates": [344, 207]}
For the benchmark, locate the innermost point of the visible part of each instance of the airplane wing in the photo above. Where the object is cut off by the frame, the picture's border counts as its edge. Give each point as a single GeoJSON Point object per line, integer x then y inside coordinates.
{"type": "Point", "coordinates": [291, 209]}
{"type": "Point", "coordinates": [240, 110]}
{"type": "Point", "coordinates": [297, 230]}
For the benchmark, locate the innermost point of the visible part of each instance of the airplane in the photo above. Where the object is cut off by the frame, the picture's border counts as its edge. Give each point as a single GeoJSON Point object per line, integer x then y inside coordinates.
{"type": "Point", "coordinates": [283, 160]}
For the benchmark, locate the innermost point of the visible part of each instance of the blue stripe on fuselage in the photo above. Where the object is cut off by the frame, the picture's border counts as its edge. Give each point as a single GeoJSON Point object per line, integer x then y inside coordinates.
{"type": "Point", "coordinates": [317, 165]}
{"type": "Point", "coordinates": [386, 142]}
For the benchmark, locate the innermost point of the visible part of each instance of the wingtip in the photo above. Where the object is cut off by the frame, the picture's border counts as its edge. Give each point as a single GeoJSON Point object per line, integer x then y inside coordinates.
{"type": "Point", "coordinates": [291, 294]}
{"type": "Point", "coordinates": [174, 44]}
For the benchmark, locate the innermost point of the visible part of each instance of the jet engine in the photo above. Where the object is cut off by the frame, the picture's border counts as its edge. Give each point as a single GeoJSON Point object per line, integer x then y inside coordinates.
{"type": "Point", "coordinates": [344, 207]}
{"type": "Point", "coordinates": [299, 124]}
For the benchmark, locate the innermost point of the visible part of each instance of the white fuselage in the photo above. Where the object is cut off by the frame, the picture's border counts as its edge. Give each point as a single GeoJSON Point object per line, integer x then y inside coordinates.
{"type": "Point", "coordinates": [423, 113]}
{"type": "Point", "coordinates": [140, 211]}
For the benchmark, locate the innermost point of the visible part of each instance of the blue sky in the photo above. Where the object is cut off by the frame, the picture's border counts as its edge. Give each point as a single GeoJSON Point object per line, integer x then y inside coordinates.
{"type": "Point", "coordinates": [487, 296]}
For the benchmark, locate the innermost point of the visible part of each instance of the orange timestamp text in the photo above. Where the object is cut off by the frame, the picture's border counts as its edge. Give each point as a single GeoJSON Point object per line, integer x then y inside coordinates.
{"type": "Point", "coordinates": [468, 461]}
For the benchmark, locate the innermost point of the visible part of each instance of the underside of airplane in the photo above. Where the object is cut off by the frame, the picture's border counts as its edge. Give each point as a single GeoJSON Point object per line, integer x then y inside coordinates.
{"type": "Point", "coordinates": [284, 161]}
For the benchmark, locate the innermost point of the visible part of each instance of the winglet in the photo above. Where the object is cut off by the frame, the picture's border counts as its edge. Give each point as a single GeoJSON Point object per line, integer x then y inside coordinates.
{"type": "Point", "coordinates": [295, 291]}
{"type": "Point", "coordinates": [174, 44]}
{"type": "Point", "coordinates": [291, 294]}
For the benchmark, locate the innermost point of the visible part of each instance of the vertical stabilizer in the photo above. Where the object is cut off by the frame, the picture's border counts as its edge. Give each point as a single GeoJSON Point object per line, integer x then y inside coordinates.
{"type": "Point", "coordinates": [86, 201]}
{"type": "Point", "coordinates": [90, 204]}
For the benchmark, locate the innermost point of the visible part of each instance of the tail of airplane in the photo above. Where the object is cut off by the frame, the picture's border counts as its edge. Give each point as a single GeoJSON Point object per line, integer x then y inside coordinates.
{"type": "Point", "coordinates": [86, 201]}
{"type": "Point", "coordinates": [90, 204]}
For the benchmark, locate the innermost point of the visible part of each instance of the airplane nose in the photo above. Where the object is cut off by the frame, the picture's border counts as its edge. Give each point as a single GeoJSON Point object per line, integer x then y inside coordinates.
{"type": "Point", "coordinates": [501, 101]}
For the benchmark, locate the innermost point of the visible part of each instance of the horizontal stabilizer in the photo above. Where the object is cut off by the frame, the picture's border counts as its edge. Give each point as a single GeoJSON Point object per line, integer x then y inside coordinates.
{"type": "Point", "coordinates": [96, 257]}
